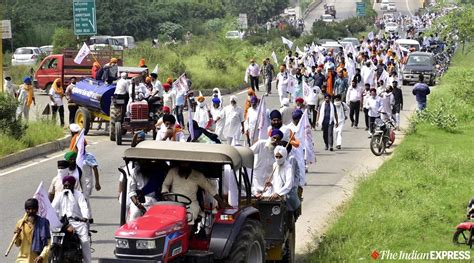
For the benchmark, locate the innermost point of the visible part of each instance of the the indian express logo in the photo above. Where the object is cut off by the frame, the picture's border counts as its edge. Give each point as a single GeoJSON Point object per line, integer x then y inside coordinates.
{"type": "Point", "coordinates": [416, 255]}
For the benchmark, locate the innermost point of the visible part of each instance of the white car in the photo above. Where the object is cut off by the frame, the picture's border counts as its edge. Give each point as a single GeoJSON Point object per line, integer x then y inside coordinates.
{"type": "Point", "coordinates": [391, 27]}
{"type": "Point", "coordinates": [126, 41]}
{"type": "Point", "coordinates": [327, 18]}
{"type": "Point", "coordinates": [391, 7]}
{"type": "Point", "coordinates": [104, 42]}
{"type": "Point", "coordinates": [384, 4]}
{"type": "Point", "coordinates": [234, 35]}
{"type": "Point", "coordinates": [25, 56]}
{"type": "Point", "coordinates": [48, 50]}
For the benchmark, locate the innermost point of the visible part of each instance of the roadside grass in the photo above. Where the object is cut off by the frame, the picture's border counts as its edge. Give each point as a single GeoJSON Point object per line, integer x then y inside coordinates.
{"type": "Point", "coordinates": [209, 61]}
{"type": "Point", "coordinates": [38, 132]}
{"type": "Point", "coordinates": [414, 200]}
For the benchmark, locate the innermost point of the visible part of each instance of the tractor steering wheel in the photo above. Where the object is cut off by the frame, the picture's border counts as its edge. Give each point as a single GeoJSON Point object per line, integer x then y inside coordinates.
{"type": "Point", "coordinates": [187, 202]}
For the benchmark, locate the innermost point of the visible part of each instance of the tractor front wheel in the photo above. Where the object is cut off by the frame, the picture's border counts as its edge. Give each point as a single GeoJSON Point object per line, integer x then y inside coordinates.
{"type": "Point", "coordinates": [249, 246]}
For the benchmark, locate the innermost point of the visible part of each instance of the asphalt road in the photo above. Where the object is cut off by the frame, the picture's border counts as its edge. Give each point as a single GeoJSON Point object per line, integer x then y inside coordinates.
{"type": "Point", "coordinates": [329, 181]}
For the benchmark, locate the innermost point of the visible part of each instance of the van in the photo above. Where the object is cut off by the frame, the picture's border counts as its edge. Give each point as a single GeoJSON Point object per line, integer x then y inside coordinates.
{"type": "Point", "coordinates": [408, 43]}
{"type": "Point", "coordinates": [104, 42]}
{"type": "Point", "coordinates": [126, 41]}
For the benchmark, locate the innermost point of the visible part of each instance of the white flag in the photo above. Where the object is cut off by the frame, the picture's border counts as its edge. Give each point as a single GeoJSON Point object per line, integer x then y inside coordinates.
{"type": "Point", "coordinates": [156, 69]}
{"type": "Point", "coordinates": [181, 84]}
{"type": "Point", "coordinates": [370, 36]}
{"type": "Point", "coordinates": [291, 84]}
{"type": "Point", "coordinates": [306, 89]}
{"type": "Point", "coordinates": [299, 50]}
{"type": "Point", "coordinates": [82, 54]}
{"type": "Point", "coordinates": [313, 47]}
{"type": "Point", "coordinates": [263, 121]}
{"type": "Point", "coordinates": [287, 42]}
{"type": "Point", "coordinates": [46, 210]}
{"type": "Point", "coordinates": [303, 133]}
{"type": "Point", "coordinates": [81, 150]}
{"type": "Point", "coordinates": [190, 121]}
{"type": "Point", "coordinates": [274, 56]}
{"type": "Point", "coordinates": [384, 76]}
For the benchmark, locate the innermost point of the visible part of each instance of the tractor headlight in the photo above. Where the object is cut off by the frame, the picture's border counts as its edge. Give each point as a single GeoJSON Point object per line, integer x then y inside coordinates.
{"type": "Point", "coordinates": [121, 243]}
{"type": "Point", "coordinates": [276, 210]}
{"type": "Point", "coordinates": [145, 244]}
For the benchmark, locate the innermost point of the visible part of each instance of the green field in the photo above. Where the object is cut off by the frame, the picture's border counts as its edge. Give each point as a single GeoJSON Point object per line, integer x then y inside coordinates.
{"type": "Point", "coordinates": [416, 199]}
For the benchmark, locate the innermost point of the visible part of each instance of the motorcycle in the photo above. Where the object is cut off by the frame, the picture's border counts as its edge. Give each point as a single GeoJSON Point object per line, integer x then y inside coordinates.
{"type": "Point", "coordinates": [464, 233]}
{"type": "Point", "coordinates": [66, 245]}
{"type": "Point", "coordinates": [383, 137]}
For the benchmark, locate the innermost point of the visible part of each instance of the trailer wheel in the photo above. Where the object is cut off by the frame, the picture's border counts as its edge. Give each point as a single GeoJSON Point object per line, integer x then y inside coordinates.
{"type": "Point", "coordinates": [249, 246]}
{"type": "Point", "coordinates": [112, 131]}
{"type": "Point", "coordinates": [118, 133]}
{"type": "Point", "coordinates": [83, 119]}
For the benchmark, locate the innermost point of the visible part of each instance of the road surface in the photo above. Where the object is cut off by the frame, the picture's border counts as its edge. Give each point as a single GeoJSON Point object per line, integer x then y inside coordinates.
{"type": "Point", "coordinates": [329, 181]}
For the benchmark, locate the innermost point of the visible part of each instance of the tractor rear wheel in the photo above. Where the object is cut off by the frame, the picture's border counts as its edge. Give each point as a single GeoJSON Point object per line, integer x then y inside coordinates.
{"type": "Point", "coordinates": [83, 119]}
{"type": "Point", "coordinates": [118, 133]}
{"type": "Point", "coordinates": [249, 246]}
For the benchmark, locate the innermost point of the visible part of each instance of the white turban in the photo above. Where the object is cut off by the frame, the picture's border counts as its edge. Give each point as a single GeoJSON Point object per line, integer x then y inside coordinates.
{"type": "Point", "coordinates": [285, 102]}
{"type": "Point", "coordinates": [233, 98]}
{"type": "Point", "coordinates": [281, 150]}
{"type": "Point", "coordinates": [74, 127]}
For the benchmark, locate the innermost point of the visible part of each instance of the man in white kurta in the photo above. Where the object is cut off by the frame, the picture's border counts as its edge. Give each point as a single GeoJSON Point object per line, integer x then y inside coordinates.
{"type": "Point", "coordinates": [250, 121]}
{"type": "Point", "coordinates": [234, 122]}
{"type": "Point", "coordinates": [282, 179]}
{"type": "Point", "coordinates": [217, 114]}
{"type": "Point", "coordinates": [73, 204]}
{"type": "Point", "coordinates": [185, 181]}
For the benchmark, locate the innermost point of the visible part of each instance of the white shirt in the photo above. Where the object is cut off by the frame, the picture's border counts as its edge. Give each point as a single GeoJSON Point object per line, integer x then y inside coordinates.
{"type": "Point", "coordinates": [122, 86]}
{"type": "Point", "coordinates": [282, 180]}
{"type": "Point", "coordinates": [169, 99]}
{"type": "Point", "coordinates": [312, 98]}
{"type": "Point", "coordinates": [234, 116]}
{"type": "Point", "coordinates": [57, 98]}
{"type": "Point", "coordinates": [354, 94]}
{"type": "Point", "coordinates": [140, 90]}
{"type": "Point", "coordinates": [282, 80]}
{"type": "Point", "coordinates": [263, 163]}
{"type": "Point", "coordinates": [9, 88]}
{"type": "Point", "coordinates": [367, 75]}
{"type": "Point", "coordinates": [249, 124]}
{"type": "Point", "coordinates": [158, 88]}
{"type": "Point", "coordinates": [70, 204]}
{"type": "Point", "coordinates": [374, 105]}
{"type": "Point", "coordinates": [253, 70]}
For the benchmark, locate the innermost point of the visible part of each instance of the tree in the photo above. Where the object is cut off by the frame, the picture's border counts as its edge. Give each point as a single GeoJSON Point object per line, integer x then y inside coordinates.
{"type": "Point", "coordinates": [63, 38]}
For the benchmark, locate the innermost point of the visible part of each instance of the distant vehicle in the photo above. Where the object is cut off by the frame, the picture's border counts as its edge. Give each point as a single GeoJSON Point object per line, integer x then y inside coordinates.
{"type": "Point", "coordinates": [26, 56]}
{"type": "Point", "coordinates": [384, 4]}
{"type": "Point", "coordinates": [47, 50]}
{"type": "Point", "coordinates": [408, 44]}
{"type": "Point", "coordinates": [327, 18]}
{"type": "Point", "coordinates": [419, 63]}
{"type": "Point", "coordinates": [290, 12]}
{"type": "Point", "coordinates": [355, 42]}
{"type": "Point", "coordinates": [391, 27]}
{"type": "Point", "coordinates": [330, 9]}
{"type": "Point", "coordinates": [391, 7]}
{"type": "Point", "coordinates": [325, 40]}
{"type": "Point", "coordinates": [126, 41]}
{"type": "Point", "coordinates": [63, 66]}
{"type": "Point", "coordinates": [104, 42]}
{"type": "Point", "coordinates": [233, 35]}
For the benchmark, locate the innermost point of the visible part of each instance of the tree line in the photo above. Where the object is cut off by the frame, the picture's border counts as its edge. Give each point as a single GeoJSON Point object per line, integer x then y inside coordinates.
{"type": "Point", "coordinates": [34, 22]}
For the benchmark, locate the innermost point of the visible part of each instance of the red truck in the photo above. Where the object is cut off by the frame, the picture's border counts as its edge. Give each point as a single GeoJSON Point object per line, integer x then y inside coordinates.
{"type": "Point", "coordinates": [63, 66]}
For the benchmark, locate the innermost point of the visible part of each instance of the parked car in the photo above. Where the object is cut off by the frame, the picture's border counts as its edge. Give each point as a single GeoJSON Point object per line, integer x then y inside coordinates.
{"type": "Point", "coordinates": [327, 18]}
{"type": "Point", "coordinates": [26, 56]}
{"type": "Point", "coordinates": [234, 35]}
{"type": "Point", "coordinates": [104, 42]}
{"type": "Point", "coordinates": [126, 41]}
{"type": "Point", "coordinates": [419, 63]}
{"type": "Point", "coordinates": [408, 44]}
{"type": "Point", "coordinates": [355, 42]}
{"type": "Point", "coordinates": [391, 27]}
{"type": "Point", "coordinates": [47, 50]}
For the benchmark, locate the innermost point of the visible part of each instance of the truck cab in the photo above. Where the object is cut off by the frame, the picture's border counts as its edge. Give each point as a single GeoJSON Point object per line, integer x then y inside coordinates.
{"type": "Point", "coordinates": [63, 66]}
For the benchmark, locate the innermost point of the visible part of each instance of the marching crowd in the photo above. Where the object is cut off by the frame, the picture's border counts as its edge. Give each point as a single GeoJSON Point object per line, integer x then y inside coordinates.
{"type": "Point", "coordinates": [317, 88]}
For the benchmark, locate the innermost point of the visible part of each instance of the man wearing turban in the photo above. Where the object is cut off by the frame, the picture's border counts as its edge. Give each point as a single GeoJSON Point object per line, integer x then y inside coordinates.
{"type": "Point", "coordinates": [73, 204]}
{"type": "Point", "coordinates": [26, 97]}
{"type": "Point", "coordinates": [170, 132]}
{"type": "Point", "coordinates": [217, 114]}
{"type": "Point", "coordinates": [234, 122]}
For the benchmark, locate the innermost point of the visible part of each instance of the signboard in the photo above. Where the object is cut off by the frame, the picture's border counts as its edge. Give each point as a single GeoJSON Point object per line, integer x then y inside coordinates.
{"type": "Point", "coordinates": [84, 17]}
{"type": "Point", "coordinates": [6, 29]}
{"type": "Point", "coordinates": [243, 21]}
{"type": "Point", "coordinates": [360, 8]}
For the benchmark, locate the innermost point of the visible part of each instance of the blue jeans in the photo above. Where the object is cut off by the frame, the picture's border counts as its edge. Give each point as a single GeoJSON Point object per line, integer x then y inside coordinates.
{"type": "Point", "coordinates": [421, 105]}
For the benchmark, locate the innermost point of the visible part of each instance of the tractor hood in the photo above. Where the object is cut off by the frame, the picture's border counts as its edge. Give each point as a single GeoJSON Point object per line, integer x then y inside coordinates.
{"type": "Point", "coordinates": [157, 221]}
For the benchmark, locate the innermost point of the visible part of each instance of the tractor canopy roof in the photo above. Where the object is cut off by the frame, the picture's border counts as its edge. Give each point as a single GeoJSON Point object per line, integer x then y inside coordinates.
{"type": "Point", "coordinates": [237, 156]}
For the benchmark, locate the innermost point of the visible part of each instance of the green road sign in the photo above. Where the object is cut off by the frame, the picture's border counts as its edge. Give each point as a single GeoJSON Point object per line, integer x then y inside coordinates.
{"type": "Point", "coordinates": [84, 17]}
{"type": "Point", "coordinates": [360, 8]}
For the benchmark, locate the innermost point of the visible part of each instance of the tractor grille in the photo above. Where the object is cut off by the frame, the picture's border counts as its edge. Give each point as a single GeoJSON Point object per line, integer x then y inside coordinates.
{"type": "Point", "coordinates": [132, 250]}
{"type": "Point", "coordinates": [139, 110]}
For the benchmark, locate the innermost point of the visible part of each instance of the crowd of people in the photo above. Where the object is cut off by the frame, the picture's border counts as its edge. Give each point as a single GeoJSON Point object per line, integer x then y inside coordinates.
{"type": "Point", "coordinates": [317, 88]}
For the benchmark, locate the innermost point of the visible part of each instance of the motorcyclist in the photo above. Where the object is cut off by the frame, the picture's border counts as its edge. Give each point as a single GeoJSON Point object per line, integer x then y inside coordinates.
{"type": "Point", "coordinates": [73, 204]}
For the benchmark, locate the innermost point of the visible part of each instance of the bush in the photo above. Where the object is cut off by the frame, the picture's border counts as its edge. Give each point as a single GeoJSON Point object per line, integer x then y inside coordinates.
{"type": "Point", "coordinates": [41, 131]}
{"type": "Point", "coordinates": [440, 115]}
{"type": "Point", "coordinates": [171, 30]}
{"type": "Point", "coordinates": [9, 125]}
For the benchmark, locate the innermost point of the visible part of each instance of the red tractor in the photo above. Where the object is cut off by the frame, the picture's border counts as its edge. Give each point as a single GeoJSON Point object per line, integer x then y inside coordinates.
{"type": "Point", "coordinates": [251, 231]}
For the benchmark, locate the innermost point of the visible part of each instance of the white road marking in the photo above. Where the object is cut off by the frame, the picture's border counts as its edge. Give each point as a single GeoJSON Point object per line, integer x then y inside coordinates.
{"type": "Point", "coordinates": [408, 8]}
{"type": "Point", "coordinates": [32, 164]}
